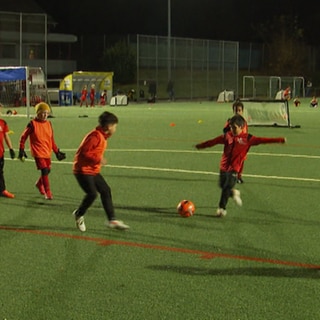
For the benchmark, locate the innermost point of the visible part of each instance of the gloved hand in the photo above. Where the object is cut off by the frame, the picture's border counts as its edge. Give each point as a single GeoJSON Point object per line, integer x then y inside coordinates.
{"type": "Point", "coordinates": [22, 155]}
{"type": "Point", "coordinates": [60, 155]}
{"type": "Point", "coordinates": [12, 154]}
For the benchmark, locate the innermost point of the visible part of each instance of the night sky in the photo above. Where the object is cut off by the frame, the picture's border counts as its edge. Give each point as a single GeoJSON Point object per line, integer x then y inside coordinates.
{"type": "Point", "coordinates": [234, 20]}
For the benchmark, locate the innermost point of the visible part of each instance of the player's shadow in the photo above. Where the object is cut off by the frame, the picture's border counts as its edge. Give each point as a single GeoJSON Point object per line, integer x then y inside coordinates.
{"type": "Point", "coordinates": [310, 273]}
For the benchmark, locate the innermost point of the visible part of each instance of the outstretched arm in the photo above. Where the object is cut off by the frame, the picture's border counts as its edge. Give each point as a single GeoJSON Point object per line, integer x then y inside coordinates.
{"type": "Point", "coordinates": [211, 142]}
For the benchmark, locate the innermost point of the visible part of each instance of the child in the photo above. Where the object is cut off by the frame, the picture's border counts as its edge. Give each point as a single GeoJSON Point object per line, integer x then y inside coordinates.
{"type": "Point", "coordinates": [236, 146]}
{"type": "Point", "coordinates": [314, 102]}
{"type": "Point", "coordinates": [42, 144]}
{"type": "Point", "coordinates": [296, 101]}
{"type": "Point", "coordinates": [103, 98]}
{"type": "Point", "coordinates": [86, 169]}
{"type": "Point", "coordinates": [4, 136]}
{"type": "Point", "coordinates": [287, 93]}
{"type": "Point", "coordinates": [83, 97]}
{"type": "Point", "coordinates": [237, 108]}
{"type": "Point", "coordinates": [92, 95]}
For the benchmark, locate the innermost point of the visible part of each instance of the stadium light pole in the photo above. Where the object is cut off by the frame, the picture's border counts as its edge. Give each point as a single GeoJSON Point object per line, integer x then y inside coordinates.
{"type": "Point", "coordinates": [169, 40]}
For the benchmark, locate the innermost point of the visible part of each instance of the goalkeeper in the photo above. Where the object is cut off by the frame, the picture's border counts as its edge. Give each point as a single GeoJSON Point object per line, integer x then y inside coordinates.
{"type": "Point", "coordinates": [236, 146]}
{"type": "Point", "coordinates": [41, 138]}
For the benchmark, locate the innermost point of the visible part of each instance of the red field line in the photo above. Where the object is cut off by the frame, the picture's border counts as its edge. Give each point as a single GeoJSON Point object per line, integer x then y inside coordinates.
{"type": "Point", "coordinates": [202, 254]}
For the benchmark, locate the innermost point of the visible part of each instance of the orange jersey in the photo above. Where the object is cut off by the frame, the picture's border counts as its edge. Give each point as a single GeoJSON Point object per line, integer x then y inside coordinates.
{"type": "Point", "coordinates": [41, 139]}
{"type": "Point", "coordinates": [90, 153]}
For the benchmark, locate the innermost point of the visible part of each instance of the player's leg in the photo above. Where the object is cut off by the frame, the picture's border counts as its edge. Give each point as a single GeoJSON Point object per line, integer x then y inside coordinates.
{"type": "Point", "coordinates": [106, 199]}
{"type": "Point", "coordinates": [227, 181]}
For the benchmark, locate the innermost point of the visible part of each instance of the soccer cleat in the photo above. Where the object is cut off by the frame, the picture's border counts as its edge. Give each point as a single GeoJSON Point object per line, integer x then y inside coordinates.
{"type": "Point", "coordinates": [7, 194]}
{"type": "Point", "coordinates": [221, 212]}
{"type": "Point", "coordinates": [117, 224]}
{"type": "Point", "coordinates": [40, 187]}
{"type": "Point", "coordinates": [240, 180]}
{"type": "Point", "coordinates": [48, 195]}
{"type": "Point", "coordinates": [79, 221]}
{"type": "Point", "coordinates": [236, 197]}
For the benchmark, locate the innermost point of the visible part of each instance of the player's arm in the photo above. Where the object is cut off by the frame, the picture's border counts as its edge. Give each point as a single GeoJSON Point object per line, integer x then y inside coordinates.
{"type": "Point", "coordinates": [9, 145]}
{"type": "Point", "coordinates": [254, 141]}
{"type": "Point", "coordinates": [23, 138]}
{"type": "Point", "coordinates": [210, 143]}
{"type": "Point", "coordinates": [25, 134]}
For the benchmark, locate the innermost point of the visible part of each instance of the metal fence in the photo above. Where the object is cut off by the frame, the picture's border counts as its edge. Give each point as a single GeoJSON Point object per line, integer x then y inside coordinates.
{"type": "Point", "coordinates": [197, 69]}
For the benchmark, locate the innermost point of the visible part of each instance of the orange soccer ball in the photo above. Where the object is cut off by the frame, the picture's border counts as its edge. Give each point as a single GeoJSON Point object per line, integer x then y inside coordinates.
{"type": "Point", "coordinates": [186, 208]}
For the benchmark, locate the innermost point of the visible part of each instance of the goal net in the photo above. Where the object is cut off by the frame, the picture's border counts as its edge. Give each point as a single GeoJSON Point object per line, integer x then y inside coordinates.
{"type": "Point", "coordinates": [22, 87]}
{"type": "Point", "coordinates": [267, 113]}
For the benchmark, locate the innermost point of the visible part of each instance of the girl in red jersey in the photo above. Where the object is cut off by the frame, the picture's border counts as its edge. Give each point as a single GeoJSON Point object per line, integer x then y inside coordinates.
{"type": "Point", "coordinates": [92, 95]}
{"type": "Point", "coordinates": [83, 97]}
{"type": "Point", "coordinates": [236, 146]}
{"type": "Point", "coordinates": [237, 108]}
{"type": "Point", "coordinates": [40, 134]}
{"type": "Point", "coordinates": [86, 169]}
{"type": "Point", "coordinates": [4, 136]}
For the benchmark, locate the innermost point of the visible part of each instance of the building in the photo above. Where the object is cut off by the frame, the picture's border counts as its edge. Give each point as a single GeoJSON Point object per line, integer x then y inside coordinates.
{"type": "Point", "coordinates": [27, 38]}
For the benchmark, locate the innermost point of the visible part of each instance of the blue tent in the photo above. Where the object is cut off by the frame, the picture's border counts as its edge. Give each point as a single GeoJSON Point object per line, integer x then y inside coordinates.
{"type": "Point", "coordinates": [12, 74]}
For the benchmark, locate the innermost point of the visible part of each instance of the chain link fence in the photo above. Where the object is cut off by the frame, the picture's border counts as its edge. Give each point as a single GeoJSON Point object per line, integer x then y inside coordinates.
{"type": "Point", "coordinates": [180, 68]}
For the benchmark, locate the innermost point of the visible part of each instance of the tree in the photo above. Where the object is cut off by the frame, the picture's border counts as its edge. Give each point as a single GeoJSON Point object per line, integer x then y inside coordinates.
{"type": "Point", "coordinates": [286, 50]}
{"type": "Point", "coordinates": [121, 59]}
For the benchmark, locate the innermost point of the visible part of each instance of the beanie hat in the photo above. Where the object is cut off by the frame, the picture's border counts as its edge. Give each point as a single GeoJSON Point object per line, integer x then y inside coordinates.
{"type": "Point", "coordinates": [41, 107]}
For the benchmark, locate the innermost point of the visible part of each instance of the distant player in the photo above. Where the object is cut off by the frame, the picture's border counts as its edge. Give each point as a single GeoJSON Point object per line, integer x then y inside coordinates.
{"type": "Point", "coordinates": [83, 98]}
{"type": "Point", "coordinates": [287, 93]}
{"type": "Point", "coordinates": [314, 102]}
{"type": "Point", "coordinates": [103, 98]}
{"type": "Point", "coordinates": [92, 95]}
{"type": "Point", "coordinates": [296, 101]}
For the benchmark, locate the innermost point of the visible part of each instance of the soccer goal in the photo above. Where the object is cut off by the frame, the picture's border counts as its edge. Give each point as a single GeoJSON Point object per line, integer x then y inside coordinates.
{"type": "Point", "coordinates": [267, 113]}
{"type": "Point", "coordinates": [267, 87]}
{"type": "Point", "coordinates": [22, 87]}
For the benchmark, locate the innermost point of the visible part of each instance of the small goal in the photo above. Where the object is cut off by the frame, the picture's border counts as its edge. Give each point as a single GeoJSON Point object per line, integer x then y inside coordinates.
{"type": "Point", "coordinates": [267, 113]}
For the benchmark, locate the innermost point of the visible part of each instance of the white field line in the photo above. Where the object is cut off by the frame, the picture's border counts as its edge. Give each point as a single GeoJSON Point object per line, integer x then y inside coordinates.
{"type": "Point", "coordinates": [210, 152]}
{"type": "Point", "coordinates": [178, 170]}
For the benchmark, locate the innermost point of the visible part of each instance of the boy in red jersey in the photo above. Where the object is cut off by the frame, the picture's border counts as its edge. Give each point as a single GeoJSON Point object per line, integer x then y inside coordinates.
{"type": "Point", "coordinates": [237, 108]}
{"type": "Point", "coordinates": [4, 136]}
{"type": "Point", "coordinates": [86, 169]}
{"type": "Point", "coordinates": [236, 146]}
{"type": "Point", "coordinates": [41, 138]}
{"type": "Point", "coordinates": [83, 97]}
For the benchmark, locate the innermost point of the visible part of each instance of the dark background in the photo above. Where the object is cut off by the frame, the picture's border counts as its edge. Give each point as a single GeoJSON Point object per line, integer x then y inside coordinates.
{"type": "Point", "coordinates": [235, 20]}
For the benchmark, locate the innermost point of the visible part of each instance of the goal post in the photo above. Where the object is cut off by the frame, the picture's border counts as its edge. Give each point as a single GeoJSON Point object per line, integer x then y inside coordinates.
{"type": "Point", "coordinates": [267, 87]}
{"type": "Point", "coordinates": [267, 113]}
{"type": "Point", "coordinates": [22, 87]}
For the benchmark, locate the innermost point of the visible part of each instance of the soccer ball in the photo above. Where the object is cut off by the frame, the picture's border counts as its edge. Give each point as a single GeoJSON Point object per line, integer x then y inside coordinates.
{"type": "Point", "coordinates": [186, 208]}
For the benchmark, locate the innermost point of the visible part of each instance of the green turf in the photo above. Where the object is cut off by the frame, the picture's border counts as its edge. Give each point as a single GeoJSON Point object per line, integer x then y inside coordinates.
{"type": "Point", "coordinates": [259, 262]}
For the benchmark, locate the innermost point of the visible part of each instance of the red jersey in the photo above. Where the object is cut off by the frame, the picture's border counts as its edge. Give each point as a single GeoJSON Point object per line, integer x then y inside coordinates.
{"type": "Point", "coordinates": [90, 153]}
{"type": "Point", "coordinates": [236, 148]}
{"type": "Point", "coordinates": [3, 130]}
{"type": "Point", "coordinates": [84, 93]}
{"type": "Point", "coordinates": [41, 139]}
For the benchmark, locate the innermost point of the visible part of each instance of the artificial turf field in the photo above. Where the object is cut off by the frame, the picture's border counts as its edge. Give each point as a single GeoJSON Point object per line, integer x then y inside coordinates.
{"type": "Point", "coordinates": [262, 261]}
